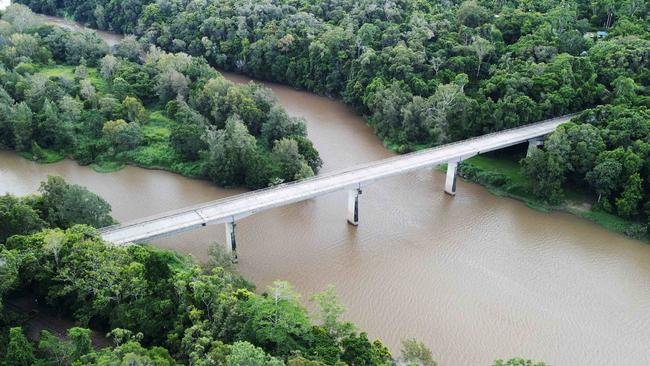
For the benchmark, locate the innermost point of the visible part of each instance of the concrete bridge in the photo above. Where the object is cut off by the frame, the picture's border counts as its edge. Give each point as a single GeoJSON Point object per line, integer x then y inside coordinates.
{"type": "Point", "coordinates": [229, 210]}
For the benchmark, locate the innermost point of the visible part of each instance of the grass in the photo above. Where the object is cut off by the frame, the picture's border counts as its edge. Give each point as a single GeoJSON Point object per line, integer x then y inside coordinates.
{"type": "Point", "coordinates": [64, 71]}
{"type": "Point", "coordinates": [507, 167]}
{"type": "Point", "coordinates": [107, 166]}
{"type": "Point", "coordinates": [48, 156]}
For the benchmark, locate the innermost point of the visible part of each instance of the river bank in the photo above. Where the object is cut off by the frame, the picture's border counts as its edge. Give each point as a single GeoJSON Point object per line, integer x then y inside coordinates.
{"type": "Point", "coordinates": [501, 175]}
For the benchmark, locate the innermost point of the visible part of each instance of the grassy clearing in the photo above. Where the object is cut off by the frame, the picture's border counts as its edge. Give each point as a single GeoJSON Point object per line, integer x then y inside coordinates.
{"type": "Point", "coordinates": [47, 156]}
{"type": "Point", "coordinates": [509, 168]}
{"type": "Point", "coordinates": [64, 71]}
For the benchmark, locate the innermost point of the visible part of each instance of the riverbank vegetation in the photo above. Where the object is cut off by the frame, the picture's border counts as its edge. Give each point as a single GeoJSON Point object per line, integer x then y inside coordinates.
{"type": "Point", "coordinates": [158, 307]}
{"type": "Point", "coordinates": [427, 73]}
{"type": "Point", "coordinates": [62, 93]}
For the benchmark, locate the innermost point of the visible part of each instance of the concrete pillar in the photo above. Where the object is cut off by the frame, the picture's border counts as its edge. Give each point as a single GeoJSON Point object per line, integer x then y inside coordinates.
{"type": "Point", "coordinates": [450, 183]}
{"type": "Point", "coordinates": [353, 206]}
{"type": "Point", "coordinates": [231, 242]}
{"type": "Point", "coordinates": [533, 145]}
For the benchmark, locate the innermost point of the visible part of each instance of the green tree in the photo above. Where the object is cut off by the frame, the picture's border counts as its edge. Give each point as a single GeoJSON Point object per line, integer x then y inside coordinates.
{"type": "Point", "coordinates": [65, 205]}
{"type": "Point", "coordinates": [330, 312]}
{"type": "Point", "coordinates": [22, 126]}
{"type": "Point", "coordinates": [292, 164]}
{"type": "Point", "coordinates": [246, 354]}
{"type": "Point", "coordinates": [134, 110]}
{"type": "Point", "coordinates": [277, 321]}
{"type": "Point", "coordinates": [187, 140]}
{"type": "Point", "coordinates": [482, 47]}
{"type": "Point", "coordinates": [19, 351]}
{"type": "Point", "coordinates": [414, 352]}
{"type": "Point", "coordinates": [17, 217]}
{"type": "Point", "coordinates": [229, 152]}
{"type": "Point", "coordinates": [629, 201]}
{"type": "Point", "coordinates": [547, 173]}
{"type": "Point", "coordinates": [604, 177]}
{"type": "Point", "coordinates": [122, 135]}
{"type": "Point", "coordinates": [80, 342]}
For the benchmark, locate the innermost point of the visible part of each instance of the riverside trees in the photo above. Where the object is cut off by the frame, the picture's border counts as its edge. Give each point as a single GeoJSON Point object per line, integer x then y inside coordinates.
{"type": "Point", "coordinates": [143, 106]}
{"type": "Point", "coordinates": [398, 62]}
{"type": "Point", "coordinates": [158, 307]}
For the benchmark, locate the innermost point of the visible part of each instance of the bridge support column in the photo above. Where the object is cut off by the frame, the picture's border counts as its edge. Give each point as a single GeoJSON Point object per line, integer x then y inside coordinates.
{"type": "Point", "coordinates": [450, 182]}
{"type": "Point", "coordinates": [533, 145]}
{"type": "Point", "coordinates": [231, 242]}
{"type": "Point", "coordinates": [353, 206]}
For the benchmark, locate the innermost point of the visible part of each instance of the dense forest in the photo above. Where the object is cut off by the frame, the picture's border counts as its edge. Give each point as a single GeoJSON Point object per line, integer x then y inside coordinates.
{"type": "Point", "coordinates": [426, 73]}
{"type": "Point", "coordinates": [63, 93]}
{"type": "Point", "coordinates": [157, 307]}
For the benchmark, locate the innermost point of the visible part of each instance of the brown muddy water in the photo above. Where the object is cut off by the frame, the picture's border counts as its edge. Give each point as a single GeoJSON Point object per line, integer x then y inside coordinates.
{"type": "Point", "coordinates": [476, 277]}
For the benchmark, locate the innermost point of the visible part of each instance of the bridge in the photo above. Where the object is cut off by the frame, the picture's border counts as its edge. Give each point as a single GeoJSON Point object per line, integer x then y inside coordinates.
{"type": "Point", "coordinates": [228, 210]}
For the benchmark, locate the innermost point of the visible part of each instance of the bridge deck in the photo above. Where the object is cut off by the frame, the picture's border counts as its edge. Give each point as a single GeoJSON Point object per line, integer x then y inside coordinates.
{"type": "Point", "coordinates": [242, 205]}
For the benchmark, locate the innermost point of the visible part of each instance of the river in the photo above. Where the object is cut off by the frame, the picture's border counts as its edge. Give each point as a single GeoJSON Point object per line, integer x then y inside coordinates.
{"type": "Point", "coordinates": [476, 277]}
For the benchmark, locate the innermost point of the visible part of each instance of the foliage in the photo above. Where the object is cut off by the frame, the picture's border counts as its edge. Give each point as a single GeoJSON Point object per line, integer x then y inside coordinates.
{"type": "Point", "coordinates": [63, 94]}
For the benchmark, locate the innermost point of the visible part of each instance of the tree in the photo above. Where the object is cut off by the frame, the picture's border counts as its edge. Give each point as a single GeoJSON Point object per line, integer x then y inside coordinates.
{"type": "Point", "coordinates": [65, 205]}
{"type": "Point", "coordinates": [229, 152]}
{"type": "Point", "coordinates": [172, 84]}
{"type": "Point", "coordinates": [19, 351]}
{"type": "Point", "coordinates": [246, 354]}
{"type": "Point", "coordinates": [80, 342]}
{"type": "Point", "coordinates": [414, 352]}
{"type": "Point", "coordinates": [471, 14]}
{"type": "Point", "coordinates": [22, 126]}
{"type": "Point", "coordinates": [628, 203]}
{"type": "Point", "coordinates": [71, 109]}
{"type": "Point", "coordinates": [330, 312]}
{"type": "Point", "coordinates": [52, 131]}
{"type": "Point", "coordinates": [292, 165]}
{"type": "Point", "coordinates": [20, 17]}
{"type": "Point", "coordinates": [86, 89]}
{"type": "Point", "coordinates": [482, 47]}
{"type": "Point", "coordinates": [277, 321]}
{"type": "Point", "coordinates": [134, 110]}
{"type": "Point", "coordinates": [624, 89]}
{"type": "Point", "coordinates": [53, 243]}
{"type": "Point", "coordinates": [547, 172]}
{"type": "Point", "coordinates": [279, 125]}
{"type": "Point", "coordinates": [57, 351]}
{"type": "Point", "coordinates": [187, 139]}
{"type": "Point", "coordinates": [122, 135]}
{"type": "Point", "coordinates": [10, 262]}
{"type": "Point", "coordinates": [604, 177]}
{"type": "Point", "coordinates": [17, 217]}
{"type": "Point", "coordinates": [129, 48]}
{"type": "Point", "coordinates": [108, 66]}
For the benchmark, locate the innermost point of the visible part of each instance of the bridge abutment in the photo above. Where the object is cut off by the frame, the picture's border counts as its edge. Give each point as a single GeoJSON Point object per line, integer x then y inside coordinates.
{"type": "Point", "coordinates": [231, 240]}
{"type": "Point", "coordinates": [450, 182]}
{"type": "Point", "coordinates": [533, 145]}
{"type": "Point", "coordinates": [353, 206]}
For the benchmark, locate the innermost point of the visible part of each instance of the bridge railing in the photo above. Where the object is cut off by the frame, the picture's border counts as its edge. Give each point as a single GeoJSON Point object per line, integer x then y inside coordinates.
{"type": "Point", "coordinates": [340, 172]}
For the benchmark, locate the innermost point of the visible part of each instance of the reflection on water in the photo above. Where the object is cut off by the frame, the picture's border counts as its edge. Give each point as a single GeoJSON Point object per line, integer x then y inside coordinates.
{"type": "Point", "coordinates": [476, 277]}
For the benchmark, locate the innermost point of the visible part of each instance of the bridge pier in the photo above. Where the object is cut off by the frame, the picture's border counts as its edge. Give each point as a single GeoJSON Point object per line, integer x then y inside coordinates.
{"type": "Point", "coordinates": [231, 242]}
{"type": "Point", "coordinates": [353, 206]}
{"type": "Point", "coordinates": [533, 145]}
{"type": "Point", "coordinates": [450, 182]}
